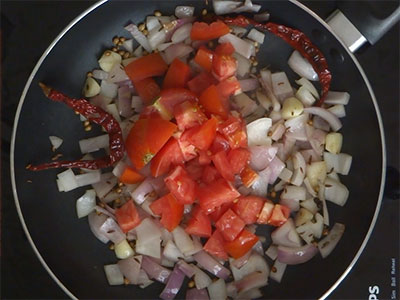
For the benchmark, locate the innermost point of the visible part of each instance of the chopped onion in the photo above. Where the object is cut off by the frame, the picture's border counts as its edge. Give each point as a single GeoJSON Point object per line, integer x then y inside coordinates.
{"type": "Point", "coordinates": [172, 252]}
{"type": "Point", "coordinates": [197, 246]}
{"type": "Point", "coordinates": [100, 101]}
{"type": "Point", "coordinates": [184, 11]}
{"type": "Point", "coordinates": [177, 51]}
{"type": "Point", "coordinates": [201, 279]}
{"type": "Point", "coordinates": [211, 265]}
{"type": "Point", "coordinates": [254, 293]}
{"type": "Point", "coordinates": [173, 285]}
{"type": "Point", "coordinates": [337, 98]}
{"type": "Point", "coordinates": [294, 192]}
{"type": "Point", "coordinates": [130, 267]}
{"type": "Point", "coordinates": [102, 188]}
{"type": "Point", "coordinates": [281, 86]}
{"type": "Point", "coordinates": [104, 211]}
{"type": "Point", "coordinates": [113, 274]}
{"type": "Point", "coordinates": [93, 144]}
{"type": "Point", "coordinates": [340, 163]}
{"type": "Point", "coordinates": [305, 96]}
{"type": "Point", "coordinates": [119, 168]}
{"type": "Point", "coordinates": [182, 33]}
{"type": "Point", "coordinates": [100, 74]}
{"type": "Point", "coordinates": [310, 205]}
{"type": "Point", "coordinates": [141, 193]}
{"type": "Point", "coordinates": [222, 7]}
{"type": "Point", "coordinates": [67, 181]}
{"type": "Point", "coordinates": [277, 131]}
{"type": "Point", "coordinates": [247, 6]}
{"type": "Point", "coordinates": [186, 268]}
{"type": "Point", "coordinates": [91, 177]}
{"type": "Point", "coordinates": [262, 17]}
{"type": "Point", "coordinates": [242, 47]}
{"type": "Point", "coordinates": [277, 271]}
{"type": "Point", "coordinates": [152, 23]}
{"type": "Point", "coordinates": [108, 60]}
{"type": "Point", "coordinates": [256, 36]}
{"type": "Point", "coordinates": [128, 45]}
{"type": "Point", "coordinates": [298, 255]}
{"type": "Point", "coordinates": [86, 203]}
{"type": "Point", "coordinates": [291, 203]}
{"type": "Point", "coordinates": [244, 104]}
{"type": "Point", "coordinates": [301, 66]}
{"type": "Point", "coordinates": [144, 280]}
{"type": "Point", "coordinates": [260, 185]}
{"type": "Point", "coordinates": [55, 141]}
{"type": "Point", "coordinates": [336, 192]}
{"type": "Point", "coordinates": [329, 117]}
{"type": "Point", "coordinates": [156, 38]}
{"type": "Point", "coordinates": [123, 249]}
{"type": "Point", "coordinates": [241, 261]}
{"type": "Point", "coordinates": [108, 89]}
{"type": "Point", "coordinates": [319, 123]}
{"type": "Point", "coordinates": [261, 156]}
{"type": "Point", "coordinates": [275, 167]}
{"type": "Point", "coordinates": [197, 294]}
{"type": "Point", "coordinates": [338, 110]}
{"type": "Point", "coordinates": [249, 84]}
{"type": "Point", "coordinates": [328, 243]}
{"type": "Point", "coordinates": [112, 231]}
{"type": "Point", "coordinates": [272, 252]}
{"type": "Point", "coordinates": [252, 281]}
{"type": "Point", "coordinates": [139, 37]}
{"type": "Point", "coordinates": [321, 197]}
{"type": "Point", "coordinates": [304, 82]}
{"type": "Point", "coordinates": [148, 238]}
{"type": "Point", "coordinates": [117, 74]}
{"type": "Point", "coordinates": [266, 82]}
{"type": "Point", "coordinates": [257, 132]}
{"type": "Point", "coordinates": [286, 235]}
{"type": "Point", "coordinates": [217, 290]}
{"type": "Point", "coordinates": [154, 270]}
{"type": "Point", "coordinates": [95, 222]}
{"type": "Point", "coordinates": [182, 240]}
{"type": "Point", "coordinates": [243, 65]}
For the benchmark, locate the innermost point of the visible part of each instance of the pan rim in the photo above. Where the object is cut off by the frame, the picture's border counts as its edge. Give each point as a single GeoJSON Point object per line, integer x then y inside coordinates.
{"type": "Point", "coordinates": [98, 4]}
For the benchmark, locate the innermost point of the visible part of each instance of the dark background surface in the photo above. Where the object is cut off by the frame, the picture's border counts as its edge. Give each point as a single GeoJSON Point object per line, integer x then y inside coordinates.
{"type": "Point", "coordinates": [29, 27]}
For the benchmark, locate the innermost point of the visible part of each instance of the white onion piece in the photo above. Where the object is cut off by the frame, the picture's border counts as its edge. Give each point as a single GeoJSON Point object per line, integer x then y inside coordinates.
{"type": "Point", "coordinates": [244, 104]}
{"type": "Point", "coordinates": [254, 293]}
{"type": "Point", "coordinates": [152, 23]}
{"type": "Point", "coordinates": [286, 235]}
{"type": "Point", "coordinates": [277, 271]}
{"type": "Point", "coordinates": [255, 263]}
{"type": "Point", "coordinates": [154, 270]}
{"type": "Point", "coordinates": [95, 221]}
{"type": "Point", "coordinates": [166, 19]}
{"type": "Point", "coordinates": [67, 180]}
{"type": "Point", "coordinates": [294, 256]}
{"type": "Point", "coordinates": [144, 280]}
{"type": "Point", "coordinates": [299, 165]}
{"type": "Point", "coordinates": [247, 6]}
{"type": "Point", "coordinates": [261, 156]}
{"type": "Point", "coordinates": [243, 65]}
{"type": "Point", "coordinates": [177, 51]}
{"type": "Point", "coordinates": [262, 98]}
{"type": "Point", "coordinates": [211, 265]}
{"type": "Point", "coordinates": [137, 104]}
{"type": "Point", "coordinates": [249, 84]}
{"type": "Point", "coordinates": [100, 74]}
{"type": "Point", "coordinates": [139, 36]}
{"type": "Point", "coordinates": [197, 246]}
{"type": "Point", "coordinates": [310, 155]}
{"type": "Point", "coordinates": [173, 285]}
{"type": "Point", "coordinates": [260, 185]}
{"type": "Point", "coordinates": [108, 89]}
{"type": "Point", "coordinates": [308, 85]}
{"type": "Point", "coordinates": [124, 102]}
{"type": "Point", "coordinates": [108, 60]}
{"type": "Point", "coordinates": [266, 82]}
{"type": "Point", "coordinates": [275, 167]}
{"type": "Point", "coordinates": [112, 231]}
{"type": "Point", "coordinates": [113, 275]}
{"type": "Point", "coordinates": [217, 290]}
{"type": "Point", "coordinates": [141, 193]}
{"type": "Point", "coordinates": [128, 45]}
{"type": "Point", "coordinates": [256, 36]}
{"type": "Point", "coordinates": [117, 74]}
{"type": "Point", "coordinates": [310, 205]}
{"type": "Point", "coordinates": [93, 144]}
{"type": "Point", "coordinates": [182, 33]}
{"type": "Point", "coordinates": [279, 186]}
{"type": "Point", "coordinates": [102, 188]}
{"type": "Point", "coordinates": [272, 252]}
{"type": "Point", "coordinates": [319, 123]}
{"type": "Point", "coordinates": [337, 98]}
{"type": "Point", "coordinates": [182, 240]}
{"type": "Point", "coordinates": [119, 168]}
{"type": "Point", "coordinates": [184, 11]}
{"type": "Point", "coordinates": [156, 38]}
{"type": "Point", "coordinates": [130, 267]}
{"type": "Point", "coordinates": [55, 141]}
{"type": "Point", "coordinates": [86, 203]}
{"type": "Point", "coordinates": [281, 86]}
{"type": "Point", "coordinates": [104, 211]}
{"type": "Point", "coordinates": [100, 101]}
{"type": "Point", "coordinates": [336, 192]}
{"type": "Point", "coordinates": [340, 163]}
{"type": "Point", "coordinates": [88, 178]}
{"type": "Point", "coordinates": [338, 110]}
{"type": "Point", "coordinates": [201, 279]}
{"type": "Point", "coordinates": [329, 117]}
{"type": "Point", "coordinates": [321, 197]}
{"type": "Point", "coordinates": [328, 243]}
{"type": "Point", "coordinates": [257, 131]}
{"type": "Point", "coordinates": [305, 96]}
{"type": "Point", "coordinates": [262, 17]}
{"type": "Point", "coordinates": [222, 7]}
{"type": "Point", "coordinates": [277, 131]}
{"type": "Point", "coordinates": [301, 66]}
{"type": "Point", "coordinates": [242, 47]}
{"type": "Point", "coordinates": [241, 261]}
{"type": "Point", "coordinates": [309, 188]}
{"type": "Point", "coordinates": [291, 203]}
{"type": "Point", "coordinates": [148, 238]}
{"type": "Point", "coordinates": [172, 252]}
{"type": "Point", "coordinates": [252, 281]}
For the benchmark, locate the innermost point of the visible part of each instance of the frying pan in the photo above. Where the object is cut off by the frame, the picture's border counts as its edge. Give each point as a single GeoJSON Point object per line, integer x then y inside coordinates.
{"type": "Point", "coordinates": [65, 245]}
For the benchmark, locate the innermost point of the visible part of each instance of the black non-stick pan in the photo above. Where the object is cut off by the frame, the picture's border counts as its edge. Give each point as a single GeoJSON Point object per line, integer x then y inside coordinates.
{"type": "Point", "coordinates": [65, 245]}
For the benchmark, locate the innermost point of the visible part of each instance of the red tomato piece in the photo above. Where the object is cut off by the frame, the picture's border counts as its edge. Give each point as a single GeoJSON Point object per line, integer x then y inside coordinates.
{"type": "Point", "coordinates": [225, 49]}
{"type": "Point", "coordinates": [230, 225]}
{"type": "Point", "coordinates": [169, 209]}
{"type": "Point", "coordinates": [215, 245]}
{"type": "Point", "coordinates": [223, 66]}
{"type": "Point", "coordinates": [146, 66]}
{"type": "Point", "coordinates": [130, 176]}
{"type": "Point", "coordinates": [146, 138]}
{"type": "Point", "coordinates": [248, 176]}
{"type": "Point", "coordinates": [173, 96]}
{"type": "Point", "coordinates": [177, 75]}
{"type": "Point", "coordinates": [187, 148]}
{"type": "Point", "coordinates": [147, 89]}
{"type": "Point", "coordinates": [229, 86]}
{"type": "Point", "coordinates": [248, 208]}
{"type": "Point", "coordinates": [234, 130]}
{"type": "Point", "coordinates": [194, 169]}
{"type": "Point", "coordinates": [181, 185]}
{"type": "Point", "coordinates": [266, 212]}
{"type": "Point", "coordinates": [238, 159]}
{"type": "Point", "coordinates": [221, 163]}
{"type": "Point", "coordinates": [204, 157]}
{"type": "Point", "coordinates": [204, 58]}
{"type": "Point", "coordinates": [127, 216]}
{"type": "Point", "coordinates": [170, 154]}
{"type": "Point", "coordinates": [202, 31]}
{"type": "Point", "coordinates": [219, 211]}
{"type": "Point", "coordinates": [219, 144]}
{"type": "Point", "coordinates": [210, 174]}
{"type": "Point", "coordinates": [215, 194]}
{"type": "Point", "coordinates": [202, 81]}
{"type": "Point", "coordinates": [241, 245]}
{"type": "Point", "coordinates": [279, 215]}
{"type": "Point", "coordinates": [199, 223]}
{"type": "Point", "coordinates": [213, 102]}
{"type": "Point", "coordinates": [188, 114]}
{"type": "Point", "coordinates": [202, 136]}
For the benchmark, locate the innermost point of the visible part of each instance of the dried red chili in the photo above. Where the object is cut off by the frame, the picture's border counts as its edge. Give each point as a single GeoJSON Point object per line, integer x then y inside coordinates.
{"type": "Point", "coordinates": [96, 115]}
{"type": "Point", "coordinates": [297, 40]}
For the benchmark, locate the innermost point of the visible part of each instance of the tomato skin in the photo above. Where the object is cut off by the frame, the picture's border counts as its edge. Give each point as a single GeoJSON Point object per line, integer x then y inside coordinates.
{"type": "Point", "coordinates": [187, 148]}
{"type": "Point", "coordinates": [219, 144]}
{"type": "Point", "coordinates": [204, 58]}
{"type": "Point", "coordinates": [127, 216]}
{"type": "Point", "coordinates": [173, 96]}
{"type": "Point", "coordinates": [215, 245]}
{"type": "Point", "coordinates": [147, 89]}
{"type": "Point", "coordinates": [204, 157]}
{"type": "Point", "coordinates": [181, 185]}
{"type": "Point", "coordinates": [146, 66]}
{"type": "Point", "coordinates": [223, 66]}
{"type": "Point", "coordinates": [223, 166]}
{"type": "Point", "coordinates": [170, 210]}
{"type": "Point", "coordinates": [225, 49]}
{"type": "Point", "coordinates": [201, 82]}
{"type": "Point", "coordinates": [229, 86]}
{"type": "Point", "coordinates": [202, 31]}
{"type": "Point", "coordinates": [230, 225]}
{"type": "Point", "coordinates": [188, 114]}
{"type": "Point", "coordinates": [266, 212]}
{"type": "Point", "coordinates": [238, 159]}
{"type": "Point", "coordinates": [194, 169]}
{"type": "Point", "coordinates": [215, 194]}
{"type": "Point", "coordinates": [170, 154]}
{"type": "Point", "coordinates": [210, 174]}
{"type": "Point", "coordinates": [202, 136]}
{"type": "Point", "coordinates": [279, 215]}
{"type": "Point", "coordinates": [248, 176]}
{"type": "Point", "coordinates": [234, 130]}
{"type": "Point", "coordinates": [199, 224]}
{"type": "Point", "coordinates": [146, 138]}
{"type": "Point", "coordinates": [177, 75]}
{"type": "Point", "coordinates": [213, 102]}
{"type": "Point", "coordinates": [242, 244]}
{"type": "Point", "coordinates": [130, 176]}
{"type": "Point", "coordinates": [248, 208]}
{"type": "Point", "coordinates": [219, 211]}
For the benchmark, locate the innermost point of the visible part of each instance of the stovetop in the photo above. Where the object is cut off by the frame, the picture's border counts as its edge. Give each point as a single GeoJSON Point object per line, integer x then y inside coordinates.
{"type": "Point", "coordinates": [28, 27]}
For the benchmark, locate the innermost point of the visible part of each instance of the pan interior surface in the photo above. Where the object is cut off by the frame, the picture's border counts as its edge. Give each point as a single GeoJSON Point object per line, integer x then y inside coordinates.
{"type": "Point", "coordinates": [65, 242]}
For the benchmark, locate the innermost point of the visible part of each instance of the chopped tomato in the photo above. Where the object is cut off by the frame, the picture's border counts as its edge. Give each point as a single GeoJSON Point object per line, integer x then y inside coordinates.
{"type": "Point", "coordinates": [202, 136]}
{"type": "Point", "coordinates": [215, 245]}
{"type": "Point", "coordinates": [248, 208]}
{"type": "Point", "coordinates": [215, 194]}
{"type": "Point", "coordinates": [177, 75]}
{"type": "Point", "coordinates": [221, 163]}
{"type": "Point", "coordinates": [130, 176]}
{"type": "Point", "coordinates": [229, 86]}
{"type": "Point", "coordinates": [238, 159]}
{"type": "Point", "coordinates": [210, 174]}
{"type": "Point", "coordinates": [146, 66]}
{"type": "Point", "coordinates": [230, 225]}
{"type": "Point", "coordinates": [225, 49]}
{"type": "Point", "coordinates": [147, 89]}
{"type": "Point", "coordinates": [151, 112]}
{"type": "Point", "coordinates": [219, 144]}
{"type": "Point", "coordinates": [203, 31]}
{"type": "Point", "coordinates": [202, 81]}
{"type": "Point", "coordinates": [170, 210]}
{"type": "Point", "coordinates": [173, 96]}
{"type": "Point", "coordinates": [204, 157]}
{"type": "Point", "coordinates": [146, 138]}
{"type": "Point", "coordinates": [248, 176]}
{"type": "Point", "coordinates": [213, 102]}
{"type": "Point", "coordinates": [279, 215]}
{"type": "Point", "coordinates": [223, 66]}
{"type": "Point", "coordinates": [181, 185]}
{"type": "Point", "coordinates": [170, 154]}
{"type": "Point", "coordinates": [127, 216]}
{"type": "Point", "coordinates": [188, 114]}
{"type": "Point", "coordinates": [194, 169]}
{"type": "Point", "coordinates": [204, 58]}
{"type": "Point", "coordinates": [241, 245]}
{"type": "Point", "coordinates": [199, 223]}
{"type": "Point", "coordinates": [234, 130]}
{"type": "Point", "coordinates": [266, 212]}
{"type": "Point", "coordinates": [187, 148]}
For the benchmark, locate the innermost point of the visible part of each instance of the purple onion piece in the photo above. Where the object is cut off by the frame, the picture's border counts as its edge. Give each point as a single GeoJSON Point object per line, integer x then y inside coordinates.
{"type": "Point", "coordinates": [195, 294]}
{"type": "Point", "coordinates": [211, 265]}
{"type": "Point", "coordinates": [298, 255]}
{"type": "Point", "coordinates": [154, 270]}
{"type": "Point", "coordinates": [173, 285]}
{"type": "Point", "coordinates": [186, 268]}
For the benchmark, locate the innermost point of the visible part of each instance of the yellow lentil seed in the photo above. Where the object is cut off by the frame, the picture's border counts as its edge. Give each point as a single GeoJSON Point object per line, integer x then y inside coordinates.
{"type": "Point", "coordinates": [115, 40]}
{"type": "Point", "coordinates": [126, 54]}
{"type": "Point", "coordinates": [107, 53]}
{"type": "Point", "coordinates": [145, 32]}
{"type": "Point", "coordinates": [204, 12]}
{"type": "Point", "coordinates": [121, 52]}
{"type": "Point", "coordinates": [114, 49]}
{"type": "Point", "coordinates": [157, 13]}
{"type": "Point", "coordinates": [119, 190]}
{"type": "Point", "coordinates": [141, 27]}
{"type": "Point", "coordinates": [86, 123]}
{"type": "Point", "coordinates": [126, 281]}
{"type": "Point", "coordinates": [88, 128]}
{"type": "Point", "coordinates": [191, 284]}
{"type": "Point", "coordinates": [89, 74]}
{"type": "Point", "coordinates": [236, 200]}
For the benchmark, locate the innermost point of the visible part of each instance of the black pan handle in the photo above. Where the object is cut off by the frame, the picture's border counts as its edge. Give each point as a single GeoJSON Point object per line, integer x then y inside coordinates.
{"type": "Point", "coordinates": [357, 22]}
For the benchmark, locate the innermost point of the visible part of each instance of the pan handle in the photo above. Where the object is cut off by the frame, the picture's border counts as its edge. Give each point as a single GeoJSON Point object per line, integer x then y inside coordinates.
{"type": "Point", "coordinates": [359, 22]}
